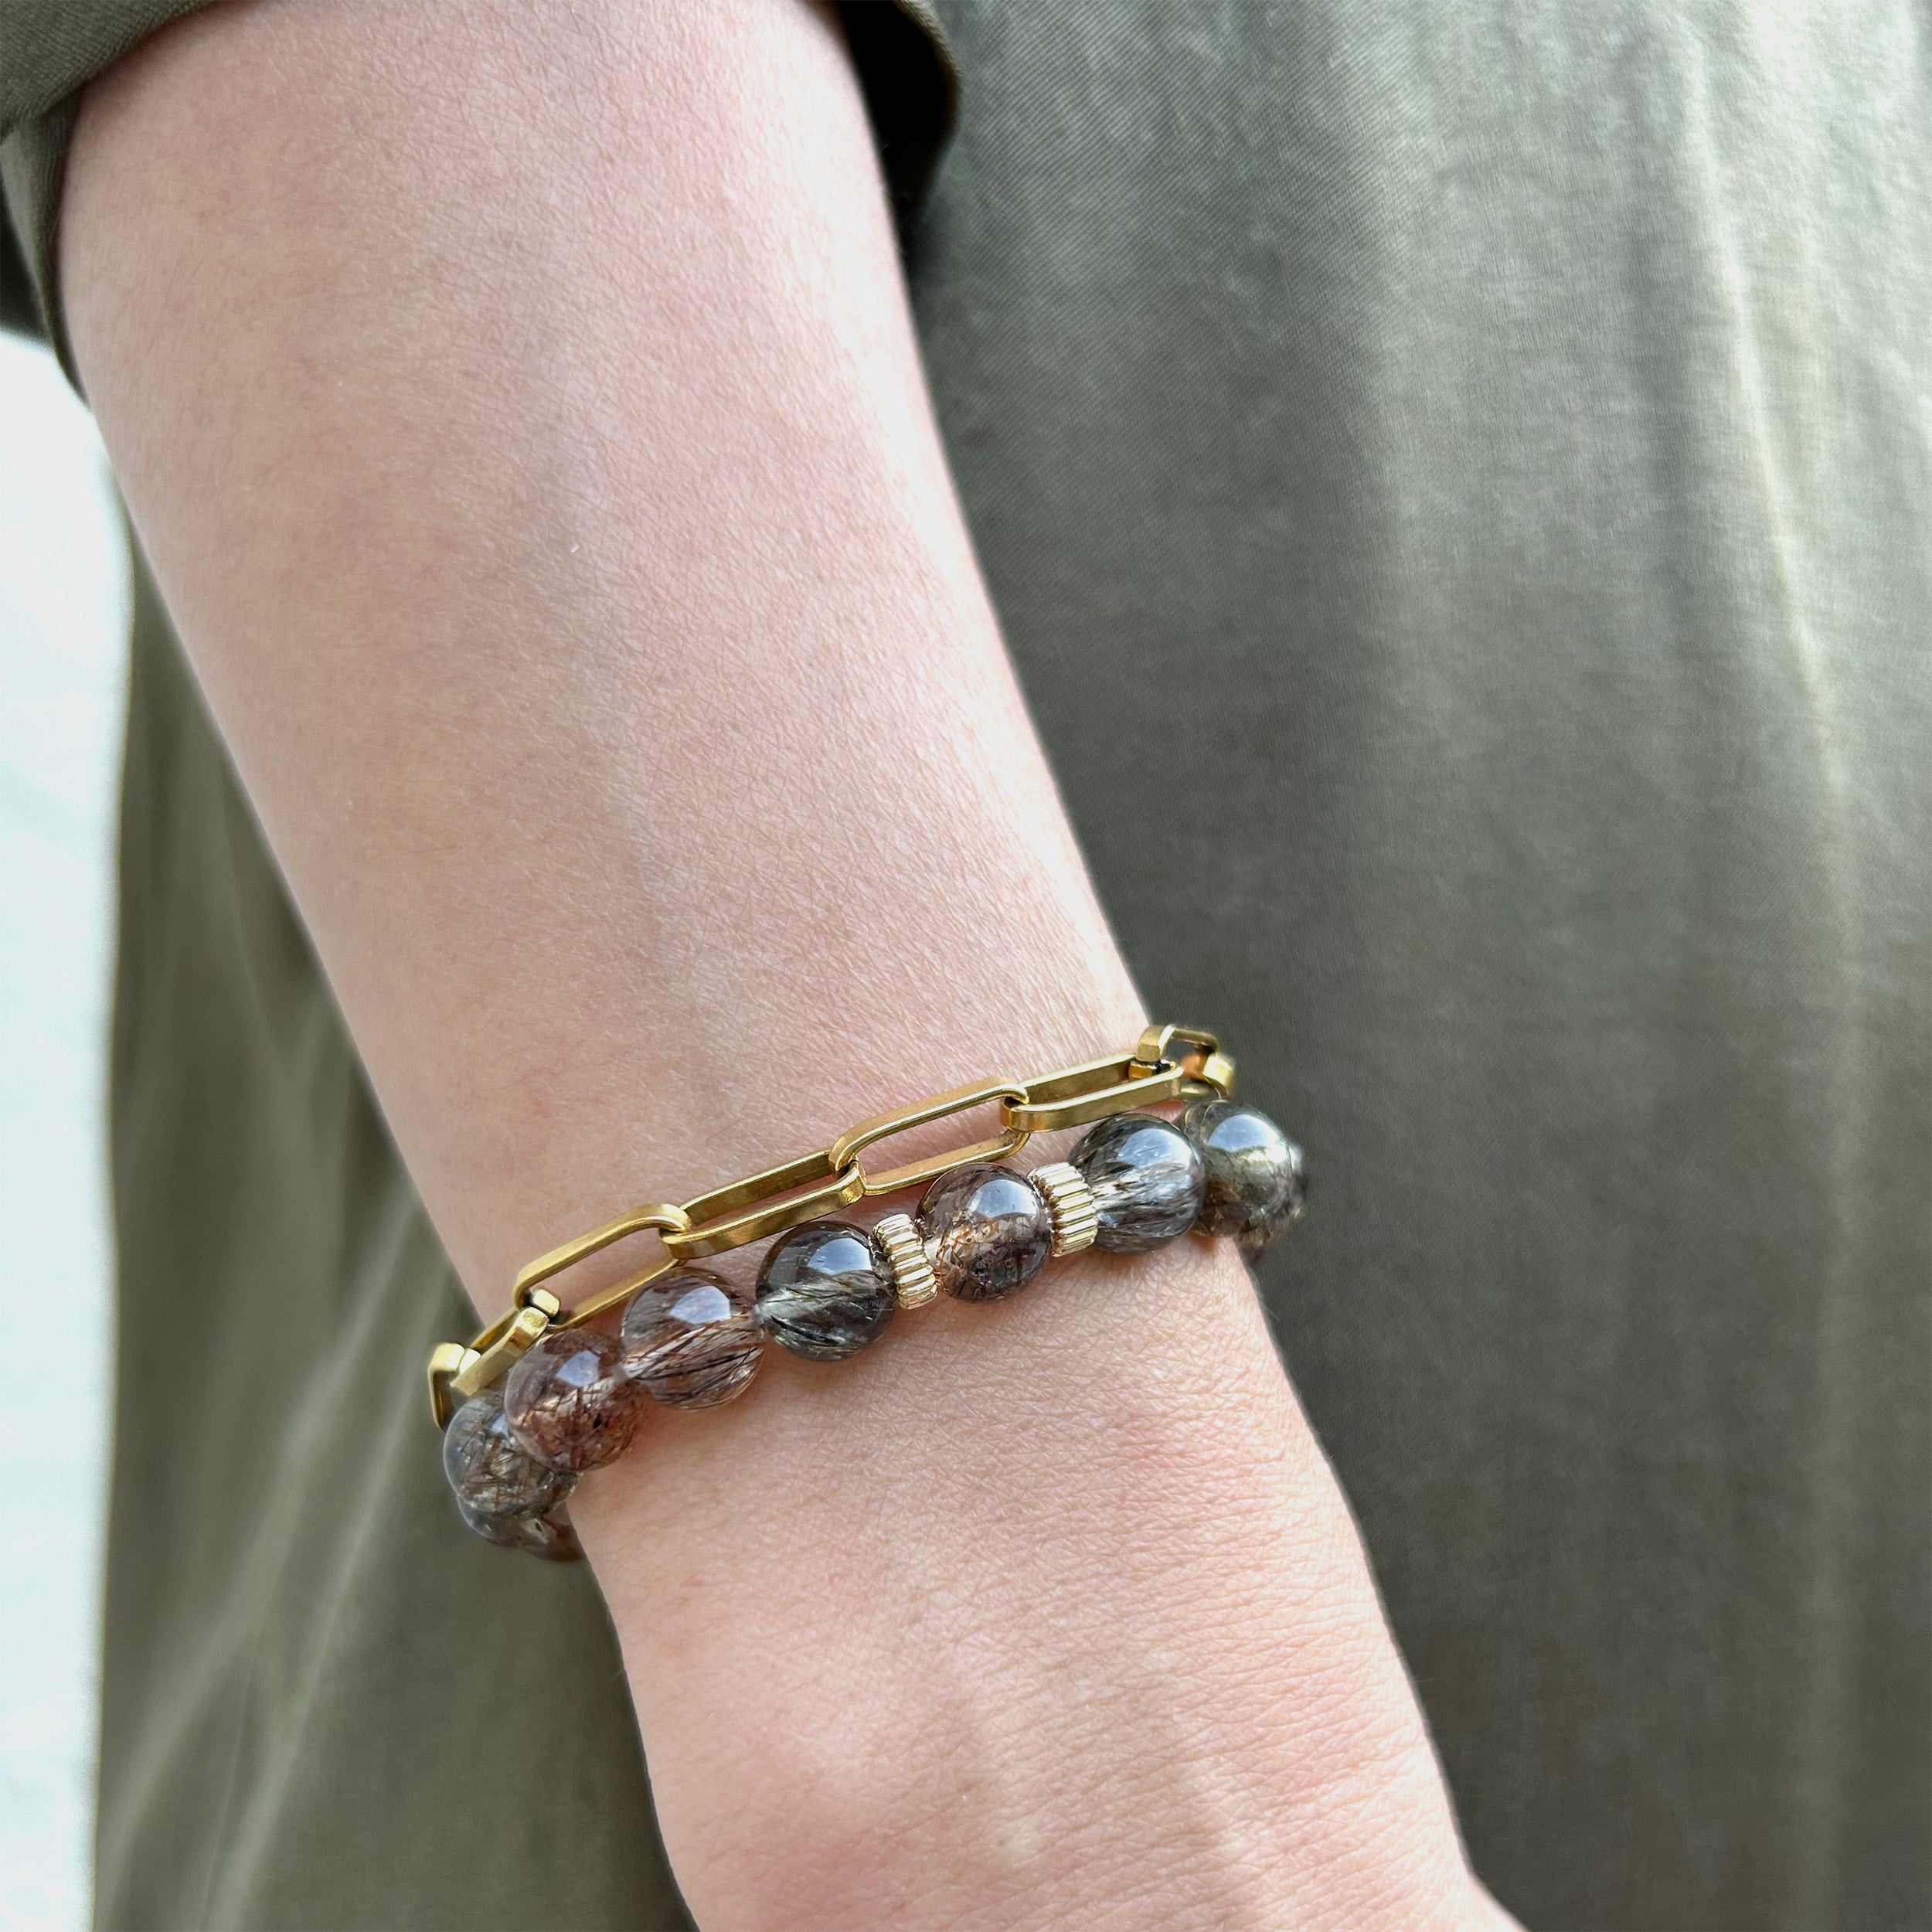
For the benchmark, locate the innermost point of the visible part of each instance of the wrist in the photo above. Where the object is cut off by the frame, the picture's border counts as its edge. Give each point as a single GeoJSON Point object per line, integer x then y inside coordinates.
{"type": "Point", "coordinates": [984, 1618]}
{"type": "Point", "coordinates": [1026, 1578]}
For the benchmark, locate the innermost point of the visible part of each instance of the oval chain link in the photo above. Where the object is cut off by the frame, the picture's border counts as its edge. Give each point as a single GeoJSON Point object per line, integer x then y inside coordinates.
{"type": "Point", "coordinates": [959, 1100]}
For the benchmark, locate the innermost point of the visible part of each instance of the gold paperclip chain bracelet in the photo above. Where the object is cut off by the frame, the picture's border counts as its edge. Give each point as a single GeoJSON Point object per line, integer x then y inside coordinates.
{"type": "Point", "coordinates": [1167, 1063]}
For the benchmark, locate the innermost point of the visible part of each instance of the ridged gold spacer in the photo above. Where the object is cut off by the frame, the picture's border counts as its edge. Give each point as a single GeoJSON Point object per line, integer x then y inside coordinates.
{"type": "Point", "coordinates": [1076, 1215]}
{"type": "Point", "coordinates": [913, 1285]}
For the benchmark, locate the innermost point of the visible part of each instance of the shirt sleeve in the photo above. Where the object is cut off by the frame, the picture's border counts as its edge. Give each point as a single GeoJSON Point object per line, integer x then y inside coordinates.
{"type": "Point", "coordinates": [49, 49]}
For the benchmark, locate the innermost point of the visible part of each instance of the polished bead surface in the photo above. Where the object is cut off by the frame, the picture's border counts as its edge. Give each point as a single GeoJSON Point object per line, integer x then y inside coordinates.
{"type": "Point", "coordinates": [1254, 1242]}
{"type": "Point", "coordinates": [690, 1340]}
{"type": "Point", "coordinates": [492, 1477]}
{"type": "Point", "coordinates": [1251, 1166]}
{"type": "Point", "coordinates": [1147, 1178]}
{"type": "Point", "coordinates": [988, 1230]}
{"type": "Point", "coordinates": [822, 1293]}
{"type": "Point", "coordinates": [569, 1401]}
{"type": "Point", "coordinates": [550, 1538]}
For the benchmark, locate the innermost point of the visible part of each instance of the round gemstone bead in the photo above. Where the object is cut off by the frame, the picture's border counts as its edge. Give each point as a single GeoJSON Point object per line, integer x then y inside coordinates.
{"type": "Point", "coordinates": [549, 1537]}
{"type": "Point", "coordinates": [1252, 1169]}
{"type": "Point", "coordinates": [822, 1292]}
{"type": "Point", "coordinates": [570, 1403]}
{"type": "Point", "coordinates": [988, 1230]}
{"type": "Point", "coordinates": [1147, 1178]}
{"type": "Point", "coordinates": [1254, 1242]}
{"type": "Point", "coordinates": [690, 1340]}
{"type": "Point", "coordinates": [492, 1477]}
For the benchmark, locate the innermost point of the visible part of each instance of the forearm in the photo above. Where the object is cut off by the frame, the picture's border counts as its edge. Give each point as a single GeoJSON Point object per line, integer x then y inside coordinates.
{"type": "Point", "coordinates": [522, 417]}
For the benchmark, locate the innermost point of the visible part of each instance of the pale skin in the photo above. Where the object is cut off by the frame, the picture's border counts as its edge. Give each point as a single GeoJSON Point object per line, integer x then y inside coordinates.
{"type": "Point", "coordinates": [521, 413]}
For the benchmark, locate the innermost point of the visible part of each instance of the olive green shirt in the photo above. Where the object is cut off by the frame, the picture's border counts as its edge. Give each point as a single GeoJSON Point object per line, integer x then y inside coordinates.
{"type": "Point", "coordinates": [1457, 481]}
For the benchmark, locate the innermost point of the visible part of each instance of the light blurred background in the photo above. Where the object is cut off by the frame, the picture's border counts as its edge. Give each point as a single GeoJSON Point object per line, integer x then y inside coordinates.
{"type": "Point", "coordinates": [63, 617]}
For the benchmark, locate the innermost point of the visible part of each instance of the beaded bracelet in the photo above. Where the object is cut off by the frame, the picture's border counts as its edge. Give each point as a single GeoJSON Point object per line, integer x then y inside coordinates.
{"type": "Point", "coordinates": [539, 1397]}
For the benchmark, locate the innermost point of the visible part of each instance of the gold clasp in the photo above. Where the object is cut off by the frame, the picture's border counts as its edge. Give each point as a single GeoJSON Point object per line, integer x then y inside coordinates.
{"type": "Point", "coordinates": [960, 1099]}
{"type": "Point", "coordinates": [1186, 1044]}
{"type": "Point", "coordinates": [1185, 1064]}
{"type": "Point", "coordinates": [446, 1360]}
{"type": "Point", "coordinates": [1160, 1045]}
{"type": "Point", "coordinates": [503, 1344]}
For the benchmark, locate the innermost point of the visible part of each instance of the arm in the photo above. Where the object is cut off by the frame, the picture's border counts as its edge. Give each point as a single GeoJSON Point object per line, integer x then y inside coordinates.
{"type": "Point", "coordinates": [520, 409]}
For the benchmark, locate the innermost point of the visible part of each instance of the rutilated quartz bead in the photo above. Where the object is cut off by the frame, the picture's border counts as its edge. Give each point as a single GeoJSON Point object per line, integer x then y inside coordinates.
{"type": "Point", "coordinates": [570, 1403]}
{"type": "Point", "coordinates": [550, 1538]}
{"type": "Point", "coordinates": [988, 1230]}
{"type": "Point", "coordinates": [1254, 1172]}
{"type": "Point", "coordinates": [690, 1340]}
{"type": "Point", "coordinates": [1254, 1242]}
{"type": "Point", "coordinates": [1147, 1178]}
{"type": "Point", "coordinates": [493, 1476]}
{"type": "Point", "coordinates": [822, 1293]}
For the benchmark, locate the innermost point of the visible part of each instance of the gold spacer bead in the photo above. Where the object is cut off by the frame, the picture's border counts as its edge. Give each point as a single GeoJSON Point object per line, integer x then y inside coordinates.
{"type": "Point", "coordinates": [913, 1283]}
{"type": "Point", "coordinates": [1076, 1215]}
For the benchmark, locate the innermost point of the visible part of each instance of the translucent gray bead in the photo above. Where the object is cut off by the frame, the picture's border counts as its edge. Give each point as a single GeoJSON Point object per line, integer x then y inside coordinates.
{"type": "Point", "coordinates": [492, 1476]}
{"type": "Point", "coordinates": [550, 1538]}
{"type": "Point", "coordinates": [822, 1293]}
{"type": "Point", "coordinates": [988, 1230]}
{"type": "Point", "coordinates": [1254, 1171]}
{"type": "Point", "coordinates": [1254, 1242]}
{"type": "Point", "coordinates": [690, 1340]}
{"type": "Point", "coordinates": [1147, 1178]}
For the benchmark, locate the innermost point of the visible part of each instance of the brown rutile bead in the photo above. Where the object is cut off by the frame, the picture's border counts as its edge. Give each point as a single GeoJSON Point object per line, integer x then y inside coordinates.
{"type": "Point", "coordinates": [988, 1230]}
{"type": "Point", "coordinates": [570, 1403]}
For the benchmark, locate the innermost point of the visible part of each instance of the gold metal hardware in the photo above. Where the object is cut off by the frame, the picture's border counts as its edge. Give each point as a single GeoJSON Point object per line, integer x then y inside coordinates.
{"type": "Point", "coordinates": [1165, 1046]}
{"type": "Point", "coordinates": [495, 1333]}
{"type": "Point", "coordinates": [660, 1216]}
{"type": "Point", "coordinates": [914, 1282]}
{"type": "Point", "coordinates": [445, 1358]}
{"type": "Point", "coordinates": [617, 1295]}
{"type": "Point", "coordinates": [1071, 1201]}
{"type": "Point", "coordinates": [1076, 1095]}
{"type": "Point", "coordinates": [836, 1187]}
{"type": "Point", "coordinates": [846, 1149]}
{"type": "Point", "coordinates": [489, 1364]}
{"type": "Point", "coordinates": [1218, 1071]}
{"type": "Point", "coordinates": [1167, 1063]}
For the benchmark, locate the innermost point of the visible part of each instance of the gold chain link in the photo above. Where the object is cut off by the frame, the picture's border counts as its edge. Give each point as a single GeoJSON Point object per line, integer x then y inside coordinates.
{"type": "Point", "coordinates": [1167, 1063]}
{"type": "Point", "coordinates": [960, 1099]}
